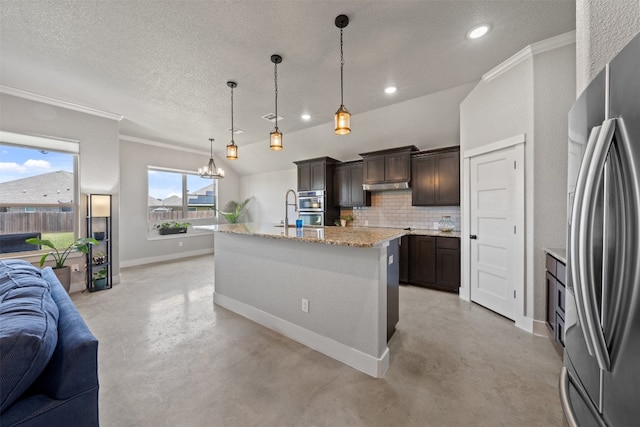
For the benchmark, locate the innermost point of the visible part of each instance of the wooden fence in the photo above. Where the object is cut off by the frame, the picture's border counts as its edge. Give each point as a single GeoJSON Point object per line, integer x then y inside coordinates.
{"type": "Point", "coordinates": [43, 222]}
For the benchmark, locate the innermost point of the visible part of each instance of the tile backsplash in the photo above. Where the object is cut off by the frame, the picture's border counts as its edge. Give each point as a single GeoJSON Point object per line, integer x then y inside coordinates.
{"type": "Point", "coordinates": [393, 209]}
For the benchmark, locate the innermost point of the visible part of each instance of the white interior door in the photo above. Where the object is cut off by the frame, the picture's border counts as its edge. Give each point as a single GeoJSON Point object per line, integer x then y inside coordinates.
{"type": "Point", "coordinates": [495, 205]}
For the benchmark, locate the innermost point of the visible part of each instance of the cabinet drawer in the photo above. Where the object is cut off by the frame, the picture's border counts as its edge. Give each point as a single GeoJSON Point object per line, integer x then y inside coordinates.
{"type": "Point", "coordinates": [559, 333]}
{"type": "Point", "coordinates": [551, 265]}
{"type": "Point", "coordinates": [560, 291]}
{"type": "Point", "coordinates": [561, 272]}
{"type": "Point", "coordinates": [448, 243]}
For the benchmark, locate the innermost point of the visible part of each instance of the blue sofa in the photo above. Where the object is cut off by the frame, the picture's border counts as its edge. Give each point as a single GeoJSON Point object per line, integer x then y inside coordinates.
{"type": "Point", "coordinates": [48, 356]}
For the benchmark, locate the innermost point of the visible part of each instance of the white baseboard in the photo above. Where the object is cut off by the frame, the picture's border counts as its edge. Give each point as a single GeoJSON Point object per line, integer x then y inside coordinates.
{"type": "Point", "coordinates": [370, 365]}
{"type": "Point", "coordinates": [162, 258]}
{"type": "Point", "coordinates": [541, 329]}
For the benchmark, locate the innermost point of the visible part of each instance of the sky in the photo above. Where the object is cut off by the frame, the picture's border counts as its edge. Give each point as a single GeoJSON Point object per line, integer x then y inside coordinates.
{"type": "Point", "coordinates": [18, 162]}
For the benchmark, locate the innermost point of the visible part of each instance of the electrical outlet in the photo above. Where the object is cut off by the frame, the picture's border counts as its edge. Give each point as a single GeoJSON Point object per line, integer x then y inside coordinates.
{"type": "Point", "coordinates": [180, 243]}
{"type": "Point", "coordinates": [305, 305]}
{"type": "Point", "coordinates": [390, 259]}
{"type": "Point", "coordinates": [436, 225]}
{"type": "Point", "coordinates": [75, 267]}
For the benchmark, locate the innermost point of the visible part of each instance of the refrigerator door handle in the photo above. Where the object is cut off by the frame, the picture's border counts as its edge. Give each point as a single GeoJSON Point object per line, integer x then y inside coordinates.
{"type": "Point", "coordinates": [577, 240]}
{"type": "Point", "coordinates": [565, 380]}
{"type": "Point", "coordinates": [587, 216]}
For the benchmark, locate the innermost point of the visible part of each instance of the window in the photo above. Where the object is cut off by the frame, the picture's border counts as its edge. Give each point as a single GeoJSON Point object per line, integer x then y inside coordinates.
{"type": "Point", "coordinates": [38, 192]}
{"type": "Point", "coordinates": [181, 196]}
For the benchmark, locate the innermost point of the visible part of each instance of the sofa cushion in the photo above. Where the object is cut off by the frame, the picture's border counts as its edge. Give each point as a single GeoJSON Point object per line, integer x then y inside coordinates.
{"type": "Point", "coordinates": [28, 328]}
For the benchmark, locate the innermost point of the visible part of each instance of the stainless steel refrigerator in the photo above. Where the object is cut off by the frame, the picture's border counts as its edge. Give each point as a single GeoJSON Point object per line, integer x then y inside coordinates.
{"type": "Point", "coordinates": [600, 380]}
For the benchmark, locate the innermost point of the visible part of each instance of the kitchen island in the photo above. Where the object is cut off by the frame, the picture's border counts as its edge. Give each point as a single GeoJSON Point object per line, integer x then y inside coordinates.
{"type": "Point", "coordinates": [347, 277]}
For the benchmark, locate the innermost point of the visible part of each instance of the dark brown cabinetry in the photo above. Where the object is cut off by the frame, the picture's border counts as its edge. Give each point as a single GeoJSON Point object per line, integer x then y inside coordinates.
{"type": "Point", "coordinates": [436, 178]}
{"type": "Point", "coordinates": [555, 276]}
{"type": "Point", "coordinates": [434, 262]}
{"type": "Point", "coordinates": [312, 174]}
{"type": "Point", "coordinates": [387, 166]}
{"type": "Point", "coordinates": [348, 182]}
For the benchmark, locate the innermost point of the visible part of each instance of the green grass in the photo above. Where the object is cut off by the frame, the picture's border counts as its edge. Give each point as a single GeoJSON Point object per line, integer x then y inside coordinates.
{"type": "Point", "coordinates": [59, 240]}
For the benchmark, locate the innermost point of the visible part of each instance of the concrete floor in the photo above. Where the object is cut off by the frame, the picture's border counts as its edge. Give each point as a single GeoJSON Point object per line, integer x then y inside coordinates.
{"type": "Point", "coordinates": [169, 357]}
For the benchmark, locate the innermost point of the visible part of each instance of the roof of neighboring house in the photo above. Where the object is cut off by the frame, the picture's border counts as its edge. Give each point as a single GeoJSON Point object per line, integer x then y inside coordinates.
{"type": "Point", "coordinates": [172, 201]}
{"type": "Point", "coordinates": [154, 202]}
{"type": "Point", "coordinates": [202, 191]}
{"type": "Point", "coordinates": [48, 188]}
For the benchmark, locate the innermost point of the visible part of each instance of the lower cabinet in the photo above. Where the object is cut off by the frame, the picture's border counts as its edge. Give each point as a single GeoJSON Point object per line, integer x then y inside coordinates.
{"type": "Point", "coordinates": [434, 262]}
{"type": "Point", "coordinates": [556, 277]}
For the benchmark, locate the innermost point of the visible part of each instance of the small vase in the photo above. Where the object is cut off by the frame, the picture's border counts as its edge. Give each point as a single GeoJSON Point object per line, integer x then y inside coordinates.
{"type": "Point", "coordinates": [445, 224]}
{"type": "Point", "coordinates": [343, 222]}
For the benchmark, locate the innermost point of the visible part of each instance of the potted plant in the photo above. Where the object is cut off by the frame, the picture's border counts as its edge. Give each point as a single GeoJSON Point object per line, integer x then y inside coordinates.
{"type": "Point", "coordinates": [234, 211]}
{"type": "Point", "coordinates": [344, 219]}
{"type": "Point", "coordinates": [61, 271]}
{"type": "Point", "coordinates": [171, 227]}
{"type": "Point", "coordinates": [99, 258]}
{"type": "Point", "coordinates": [99, 279]}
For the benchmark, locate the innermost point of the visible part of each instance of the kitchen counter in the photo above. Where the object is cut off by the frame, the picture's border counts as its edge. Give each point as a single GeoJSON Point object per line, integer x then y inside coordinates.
{"type": "Point", "coordinates": [333, 289]}
{"type": "Point", "coordinates": [436, 233]}
{"type": "Point", "coordinates": [557, 253]}
{"type": "Point", "coordinates": [361, 237]}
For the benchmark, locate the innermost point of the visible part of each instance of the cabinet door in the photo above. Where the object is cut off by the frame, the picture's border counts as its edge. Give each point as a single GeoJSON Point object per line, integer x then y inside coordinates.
{"type": "Point", "coordinates": [422, 186]}
{"type": "Point", "coordinates": [342, 186]}
{"type": "Point", "coordinates": [422, 260]}
{"type": "Point", "coordinates": [448, 268]}
{"type": "Point", "coordinates": [397, 167]}
{"type": "Point", "coordinates": [304, 177]}
{"type": "Point", "coordinates": [358, 196]}
{"type": "Point", "coordinates": [317, 176]}
{"type": "Point", "coordinates": [373, 169]}
{"type": "Point", "coordinates": [550, 286]}
{"type": "Point", "coordinates": [447, 179]}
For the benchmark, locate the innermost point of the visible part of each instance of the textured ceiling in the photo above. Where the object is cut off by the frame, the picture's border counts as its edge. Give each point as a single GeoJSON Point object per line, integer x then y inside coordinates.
{"type": "Point", "coordinates": [164, 65]}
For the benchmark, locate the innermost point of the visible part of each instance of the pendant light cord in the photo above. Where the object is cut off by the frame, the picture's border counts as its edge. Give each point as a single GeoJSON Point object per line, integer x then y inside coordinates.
{"type": "Point", "coordinates": [341, 67]}
{"type": "Point", "coordinates": [275, 74]}
{"type": "Point", "coordinates": [233, 143]}
{"type": "Point", "coordinates": [211, 141]}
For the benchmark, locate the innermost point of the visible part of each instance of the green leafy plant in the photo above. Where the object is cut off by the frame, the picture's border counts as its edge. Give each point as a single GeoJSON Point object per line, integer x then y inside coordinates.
{"type": "Point", "coordinates": [347, 218]}
{"type": "Point", "coordinates": [100, 274]}
{"type": "Point", "coordinates": [234, 211]}
{"type": "Point", "coordinates": [169, 225]}
{"type": "Point", "coordinates": [81, 245]}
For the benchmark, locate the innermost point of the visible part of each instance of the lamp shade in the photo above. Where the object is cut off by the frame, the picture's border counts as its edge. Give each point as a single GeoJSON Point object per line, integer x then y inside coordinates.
{"type": "Point", "coordinates": [100, 205]}
{"type": "Point", "coordinates": [275, 140]}
{"type": "Point", "coordinates": [343, 121]}
{"type": "Point", "coordinates": [232, 152]}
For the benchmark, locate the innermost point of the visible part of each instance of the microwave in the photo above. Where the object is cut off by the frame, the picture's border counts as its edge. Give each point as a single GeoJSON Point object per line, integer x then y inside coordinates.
{"type": "Point", "coordinates": [311, 201]}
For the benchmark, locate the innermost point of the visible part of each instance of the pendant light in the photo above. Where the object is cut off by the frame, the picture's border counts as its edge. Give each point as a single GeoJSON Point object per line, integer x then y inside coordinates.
{"type": "Point", "coordinates": [210, 170]}
{"type": "Point", "coordinates": [275, 139]}
{"type": "Point", "coordinates": [232, 148]}
{"type": "Point", "coordinates": [342, 116]}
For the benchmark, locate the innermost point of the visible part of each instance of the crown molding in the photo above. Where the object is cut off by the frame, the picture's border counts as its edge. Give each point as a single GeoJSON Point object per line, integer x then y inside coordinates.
{"type": "Point", "coordinates": [162, 145]}
{"type": "Point", "coordinates": [59, 103]}
{"type": "Point", "coordinates": [528, 52]}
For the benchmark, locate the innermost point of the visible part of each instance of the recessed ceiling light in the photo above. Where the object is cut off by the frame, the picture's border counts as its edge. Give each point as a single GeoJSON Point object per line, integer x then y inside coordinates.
{"type": "Point", "coordinates": [306, 117]}
{"type": "Point", "coordinates": [478, 32]}
{"type": "Point", "coordinates": [390, 89]}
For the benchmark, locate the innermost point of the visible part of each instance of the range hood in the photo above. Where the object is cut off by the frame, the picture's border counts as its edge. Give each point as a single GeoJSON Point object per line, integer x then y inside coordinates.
{"type": "Point", "coordinates": [386, 186]}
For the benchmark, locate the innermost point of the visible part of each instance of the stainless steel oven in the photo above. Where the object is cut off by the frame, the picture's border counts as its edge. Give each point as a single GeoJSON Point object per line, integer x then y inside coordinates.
{"type": "Point", "coordinates": [311, 201]}
{"type": "Point", "coordinates": [313, 219]}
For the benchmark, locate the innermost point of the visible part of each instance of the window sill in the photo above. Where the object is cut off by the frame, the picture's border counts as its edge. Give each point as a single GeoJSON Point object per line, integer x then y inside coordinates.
{"type": "Point", "coordinates": [154, 237]}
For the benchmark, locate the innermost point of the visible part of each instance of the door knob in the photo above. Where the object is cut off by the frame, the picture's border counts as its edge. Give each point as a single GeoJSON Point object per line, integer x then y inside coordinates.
{"type": "Point", "coordinates": [473, 237]}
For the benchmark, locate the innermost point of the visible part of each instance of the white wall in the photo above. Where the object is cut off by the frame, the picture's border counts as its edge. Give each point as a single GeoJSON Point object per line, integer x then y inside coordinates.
{"type": "Point", "coordinates": [99, 166]}
{"type": "Point", "coordinates": [532, 97]}
{"type": "Point", "coordinates": [603, 28]}
{"type": "Point", "coordinates": [269, 189]}
{"type": "Point", "coordinates": [136, 246]}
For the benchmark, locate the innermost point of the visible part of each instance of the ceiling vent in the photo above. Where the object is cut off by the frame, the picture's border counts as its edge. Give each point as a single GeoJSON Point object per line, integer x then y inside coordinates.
{"type": "Point", "coordinates": [236, 131]}
{"type": "Point", "coordinates": [272, 117]}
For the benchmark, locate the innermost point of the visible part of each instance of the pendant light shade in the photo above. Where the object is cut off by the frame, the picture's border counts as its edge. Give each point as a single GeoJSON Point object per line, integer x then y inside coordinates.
{"type": "Point", "coordinates": [210, 170]}
{"type": "Point", "coordinates": [275, 137]}
{"type": "Point", "coordinates": [232, 148]}
{"type": "Point", "coordinates": [342, 116]}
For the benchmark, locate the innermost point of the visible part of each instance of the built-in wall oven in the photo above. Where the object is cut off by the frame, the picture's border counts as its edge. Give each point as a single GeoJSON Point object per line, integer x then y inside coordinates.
{"type": "Point", "coordinates": [311, 207]}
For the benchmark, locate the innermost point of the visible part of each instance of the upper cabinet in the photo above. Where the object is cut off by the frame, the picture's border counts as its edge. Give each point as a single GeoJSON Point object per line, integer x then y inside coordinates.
{"type": "Point", "coordinates": [436, 178]}
{"type": "Point", "coordinates": [348, 182]}
{"type": "Point", "coordinates": [315, 174]}
{"type": "Point", "coordinates": [388, 166]}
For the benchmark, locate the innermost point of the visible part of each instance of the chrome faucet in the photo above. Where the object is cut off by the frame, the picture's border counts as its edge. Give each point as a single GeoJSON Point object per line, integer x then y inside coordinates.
{"type": "Point", "coordinates": [286, 207]}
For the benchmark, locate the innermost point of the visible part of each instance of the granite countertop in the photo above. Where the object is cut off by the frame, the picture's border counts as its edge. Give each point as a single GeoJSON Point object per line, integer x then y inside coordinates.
{"type": "Point", "coordinates": [362, 237]}
{"type": "Point", "coordinates": [437, 233]}
{"type": "Point", "coordinates": [557, 253]}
